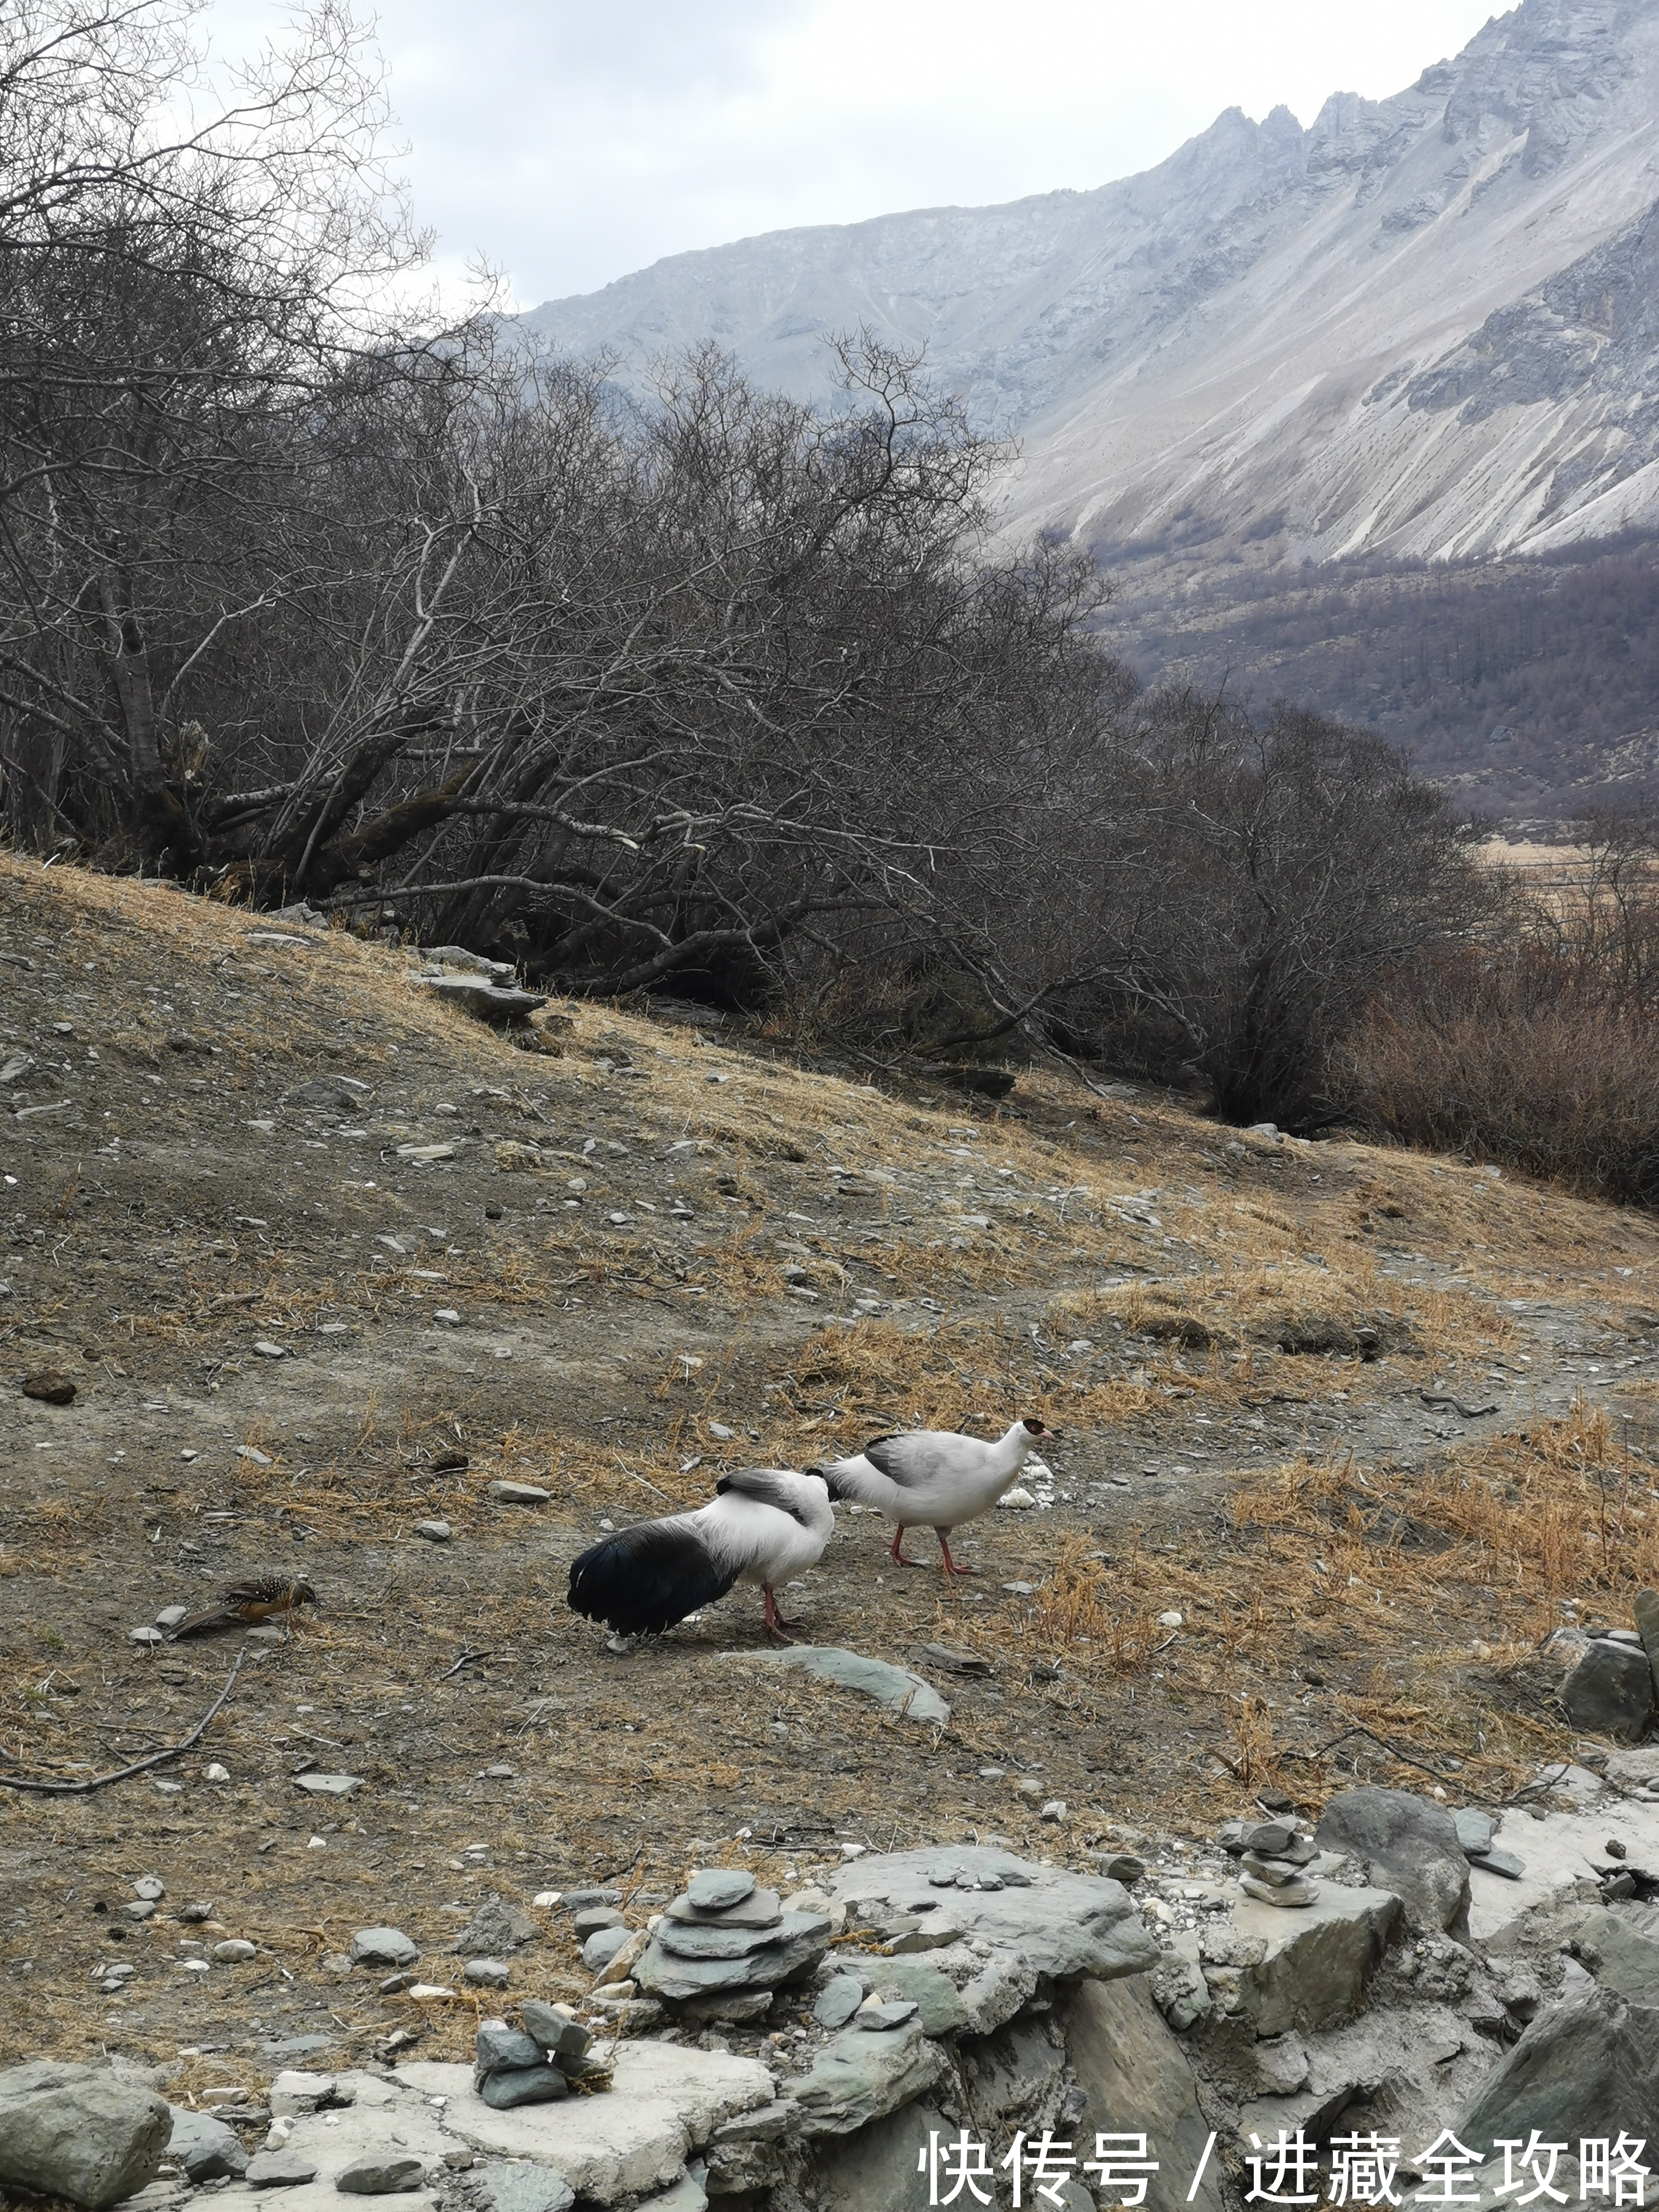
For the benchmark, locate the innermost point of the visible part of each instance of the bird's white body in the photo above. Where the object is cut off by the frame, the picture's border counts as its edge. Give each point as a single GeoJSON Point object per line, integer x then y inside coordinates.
{"type": "Point", "coordinates": [766, 1524]}
{"type": "Point", "coordinates": [933, 1478]}
{"type": "Point", "coordinates": [764, 1542]}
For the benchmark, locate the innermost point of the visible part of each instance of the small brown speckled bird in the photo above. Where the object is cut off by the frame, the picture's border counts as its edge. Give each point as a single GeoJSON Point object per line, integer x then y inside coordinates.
{"type": "Point", "coordinates": [255, 1598]}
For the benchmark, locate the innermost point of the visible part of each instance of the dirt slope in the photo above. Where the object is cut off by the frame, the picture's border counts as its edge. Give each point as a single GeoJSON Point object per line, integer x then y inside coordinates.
{"type": "Point", "coordinates": [667, 1254]}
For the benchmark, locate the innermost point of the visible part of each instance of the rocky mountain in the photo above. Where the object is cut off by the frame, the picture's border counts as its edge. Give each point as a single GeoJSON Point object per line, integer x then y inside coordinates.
{"type": "Point", "coordinates": [1422, 327]}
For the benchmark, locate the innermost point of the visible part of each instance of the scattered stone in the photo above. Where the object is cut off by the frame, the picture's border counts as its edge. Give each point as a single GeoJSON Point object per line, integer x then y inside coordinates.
{"type": "Point", "coordinates": [383, 1947]}
{"type": "Point", "coordinates": [496, 1927]}
{"type": "Point", "coordinates": [149, 1886]}
{"type": "Point", "coordinates": [140, 1908]}
{"type": "Point", "coordinates": [594, 1918]}
{"type": "Point", "coordinates": [234, 1951]}
{"type": "Point", "coordinates": [205, 2147]}
{"type": "Point", "coordinates": [838, 2000]}
{"type": "Point", "coordinates": [602, 1946]}
{"type": "Point", "coordinates": [715, 1889]}
{"type": "Point", "coordinates": [519, 1494]}
{"type": "Point", "coordinates": [328, 1785]}
{"type": "Point", "coordinates": [490, 1001]}
{"type": "Point", "coordinates": [1610, 1693]}
{"type": "Point", "coordinates": [267, 1350]}
{"type": "Point", "coordinates": [434, 1532]}
{"type": "Point", "coordinates": [386, 2176]}
{"type": "Point", "coordinates": [486, 1973]}
{"type": "Point", "coordinates": [146, 1635]}
{"type": "Point", "coordinates": [1412, 1847]}
{"type": "Point", "coordinates": [51, 1388]}
{"type": "Point", "coordinates": [293, 2094]}
{"type": "Point", "coordinates": [280, 2169]}
{"type": "Point", "coordinates": [1121, 1866]}
{"type": "Point", "coordinates": [1054, 1810]}
{"type": "Point", "coordinates": [1475, 1830]}
{"type": "Point", "coordinates": [200, 1910]}
{"type": "Point", "coordinates": [881, 2016]}
{"type": "Point", "coordinates": [214, 1772]}
{"type": "Point", "coordinates": [896, 1687]}
{"type": "Point", "coordinates": [1501, 1864]}
{"type": "Point", "coordinates": [958, 1661]}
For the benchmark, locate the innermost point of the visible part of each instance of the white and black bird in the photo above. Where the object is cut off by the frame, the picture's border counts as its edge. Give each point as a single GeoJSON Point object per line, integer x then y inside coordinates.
{"type": "Point", "coordinates": [764, 1524]}
{"type": "Point", "coordinates": [933, 1478]}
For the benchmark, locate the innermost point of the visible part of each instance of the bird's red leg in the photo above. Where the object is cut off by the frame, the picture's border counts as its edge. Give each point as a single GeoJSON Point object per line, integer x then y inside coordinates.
{"type": "Point", "coordinates": [952, 1566]}
{"type": "Point", "coordinates": [776, 1627]}
{"type": "Point", "coordinates": [897, 1556]}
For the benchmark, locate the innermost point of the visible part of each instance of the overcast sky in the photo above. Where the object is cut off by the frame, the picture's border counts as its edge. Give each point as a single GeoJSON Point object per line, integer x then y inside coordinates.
{"type": "Point", "coordinates": [571, 141]}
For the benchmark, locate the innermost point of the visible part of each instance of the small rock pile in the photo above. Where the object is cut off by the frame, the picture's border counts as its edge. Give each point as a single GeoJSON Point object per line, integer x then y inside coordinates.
{"type": "Point", "coordinates": [535, 2064]}
{"type": "Point", "coordinates": [1273, 1855]}
{"type": "Point", "coordinates": [719, 1949]}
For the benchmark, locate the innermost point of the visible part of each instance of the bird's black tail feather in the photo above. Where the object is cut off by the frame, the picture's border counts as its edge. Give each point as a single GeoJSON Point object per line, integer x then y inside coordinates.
{"type": "Point", "coordinates": [642, 1580]}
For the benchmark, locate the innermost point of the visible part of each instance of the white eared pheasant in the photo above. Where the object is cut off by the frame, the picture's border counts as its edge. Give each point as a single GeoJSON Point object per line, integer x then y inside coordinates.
{"type": "Point", "coordinates": [933, 1478]}
{"type": "Point", "coordinates": [764, 1524]}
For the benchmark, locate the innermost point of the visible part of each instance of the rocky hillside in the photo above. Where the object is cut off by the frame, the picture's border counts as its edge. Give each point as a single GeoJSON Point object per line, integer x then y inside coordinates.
{"type": "Point", "coordinates": [307, 1273]}
{"type": "Point", "coordinates": [1421, 326]}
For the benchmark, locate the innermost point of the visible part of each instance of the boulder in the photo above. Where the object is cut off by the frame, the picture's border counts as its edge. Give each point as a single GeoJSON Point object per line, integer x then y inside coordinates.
{"type": "Point", "coordinates": [859, 2077]}
{"type": "Point", "coordinates": [207, 2149]}
{"type": "Point", "coordinates": [77, 2132]}
{"type": "Point", "coordinates": [1587, 2068]}
{"type": "Point", "coordinates": [1412, 1847]}
{"type": "Point", "coordinates": [1307, 1969]}
{"type": "Point", "coordinates": [1610, 1693]}
{"type": "Point", "coordinates": [1064, 1925]}
{"type": "Point", "coordinates": [896, 1687]}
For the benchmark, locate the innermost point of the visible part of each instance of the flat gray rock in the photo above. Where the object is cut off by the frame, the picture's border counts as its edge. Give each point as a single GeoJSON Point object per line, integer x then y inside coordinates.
{"type": "Point", "coordinates": [477, 994]}
{"type": "Point", "coordinates": [556, 2028]}
{"type": "Point", "coordinates": [387, 2176]}
{"type": "Point", "coordinates": [1475, 1829]}
{"type": "Point", "coordinates": [603, 1945]}
{"type": "Point", "coordinates": [206, 2147]}
{"type": "Point", "coordinates": [1304, 1969]}
{"type": "Point", "coordinates": [838, 2000]}
{"type": "Point", "coordinates": [682, 1963]}
{"type": "Point", "coordinates": [280, 2169]}
{"type": "Point", "coordinates": [523, 2085]}
{"type": "Point", "coordinates": [382, 1947]}
{"type": "Point", "coordinates": [77, 2132]}
{"type": "Point", "coordinates": [1412, 1846]}
{"type": "Point", "coordinates": [716, 1889]}
{"type": "Point", "coordinates": [896, 1687]}
{"type": "Point", "coordinates": [329, 1785]}
{"type": "Point", "coordinates": [1504, 1862]}
{"type": "Point", "coordinates": [763, 1908]}
{"type": "Point", "coordinates": [858, 2077]}
{"type": "Point", "coordinates": [512, 2186]}
{"type": "Point", "coordinates": [1066, 1924]}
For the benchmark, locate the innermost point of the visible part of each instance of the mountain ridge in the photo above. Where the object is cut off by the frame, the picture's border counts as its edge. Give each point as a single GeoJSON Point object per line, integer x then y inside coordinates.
{"type": "Point", "coordinates": [1422, 327]}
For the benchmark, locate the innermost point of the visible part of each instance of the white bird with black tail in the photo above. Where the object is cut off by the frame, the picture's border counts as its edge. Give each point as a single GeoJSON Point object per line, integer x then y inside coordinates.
{"type": "Point", "coordinates": [933, 1478]}
{"type": "Point", "coordinates": [764, 1524]}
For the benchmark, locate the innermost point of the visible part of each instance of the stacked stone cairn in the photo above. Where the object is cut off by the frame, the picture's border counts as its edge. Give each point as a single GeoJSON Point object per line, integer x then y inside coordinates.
{"type": "Point", "coordinates": [536, 2064]}
{"type": "Point", "coordinates": [1273, 1855]}
{"type": "Point", "coordinates": [719, 1950]}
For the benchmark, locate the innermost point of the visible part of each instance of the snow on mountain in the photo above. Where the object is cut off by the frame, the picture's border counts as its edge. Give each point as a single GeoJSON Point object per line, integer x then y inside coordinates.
{"type": "Point", "coordinates": [1427, 325]}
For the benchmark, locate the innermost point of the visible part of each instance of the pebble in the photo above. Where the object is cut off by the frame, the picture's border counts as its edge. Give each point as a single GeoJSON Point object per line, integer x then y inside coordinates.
{"type": "Point", "coordinates": [381, 2177]}
{"type": "Point", "coordinates": [434, 1532]}
{"type": "Point", "coordinates": [1171, 1620]}
{"type": "Point", "coordinates": [884, 2014]}
{"type": "Point", "coordinates": [1614, 1848]}
{"type": "Point", "coordinates": [1054, 1810]}
{"type": "Point", "coordinates": [280, 2169]}
{"type": "Point", "coordinates": [1122, 1866]}
{"type": "Point", "coordinates": [588, 1919]}
{"type": "Point", "coordinates": [487, 1973]}
{"type": "Point", "coordinates": [215, 1773]}
{"type": "Point", "coordinates": [714, 1889]}
{"type": "Point", "coordinates": [602, 1946]}
{"type": "Point", "coordinates": [328, 1785]}
{"type": "Point", "coordinates": [267, 1350]}
{"type": "Point", "coordinates": [576, 1898]}
{"type": "Point", "coordinates": [149, 1886]}
{"type": "Point", "coordinates": [498, 1774]}
{"type": "Point", "coordinates": [448, 1316]}
{"type": "Point", "coordinates": [170, 1616]}
{"type": "Point", "coordinates": [198, 1910]}
{"type": "Point", "coordinates": [1019, 1590]}
{"type": "Point", "coordinates": [519, 1494]}
{"type": "Point", "coordinates": [146, 1635]}
{"type": "Point", "coordinates": [234, 1951]}
{"type": "Point", "coordinates": [383, 1947]}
